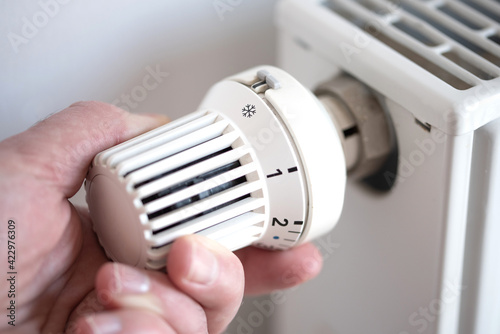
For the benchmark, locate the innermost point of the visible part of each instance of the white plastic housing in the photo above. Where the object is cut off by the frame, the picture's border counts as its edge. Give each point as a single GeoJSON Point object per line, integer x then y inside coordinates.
{"type": "Point", "coordinates": [248, 168]}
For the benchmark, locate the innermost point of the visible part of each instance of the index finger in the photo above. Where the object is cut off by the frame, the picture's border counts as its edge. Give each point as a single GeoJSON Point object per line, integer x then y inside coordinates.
{"type": "Point", "coordinates": [60, 148]}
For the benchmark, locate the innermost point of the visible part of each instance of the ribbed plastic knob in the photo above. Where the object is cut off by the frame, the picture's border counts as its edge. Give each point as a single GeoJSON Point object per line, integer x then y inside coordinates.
{"type": "Point", "coordinates": [247, 168]}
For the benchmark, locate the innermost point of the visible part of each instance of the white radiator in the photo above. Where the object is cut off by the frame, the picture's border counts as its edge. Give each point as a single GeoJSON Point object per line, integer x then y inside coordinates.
{"type": "Point", "coordinates": [424, 256]}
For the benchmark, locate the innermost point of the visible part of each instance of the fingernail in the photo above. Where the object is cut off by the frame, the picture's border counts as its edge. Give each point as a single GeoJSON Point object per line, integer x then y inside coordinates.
{"type": "Point", "coordinates": [129, 280]}
{"type": "Point", "coordinates": [204, 267]}
{"type": "Point", "coordinates": [145, 301]}
{"type": "Point", "coordinates": [104, 324]}
{"type": "Point", "coordinates": [158, 117]}
{"type": "Point", "coordinates": [140, 123]}
{"type": "Point", "coordinates": [149, 121]}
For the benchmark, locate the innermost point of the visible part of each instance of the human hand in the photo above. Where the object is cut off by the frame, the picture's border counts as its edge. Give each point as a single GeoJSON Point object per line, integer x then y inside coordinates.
{"type": "Point", "coordinates": [65, 283]}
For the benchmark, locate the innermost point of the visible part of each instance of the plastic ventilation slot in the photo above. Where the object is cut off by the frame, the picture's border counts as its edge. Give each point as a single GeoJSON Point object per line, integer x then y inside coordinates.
{"type": "Point", "coordinates": [234, 217]}
{"type": "Point", "coordinates": [104, 157]}
{"type": "Point", "coordinates": [206, 164]}
{"type": "Point", "coordinates": [202, 207]}
{"type": "Point", "coordinates": [167, 143]}
{"type": "Point", "coordinates": [495, 38]}
{"type": "Point", "coordinates": [198, 188]}
{"type": "Point", "coordinates": [154, 159]}
{"type": "Point", "coordinates": [237, 231]}
{"type": "Point", "coordinates": [450, 39]}
{"type": "Point", "coordinates": [189, 176]}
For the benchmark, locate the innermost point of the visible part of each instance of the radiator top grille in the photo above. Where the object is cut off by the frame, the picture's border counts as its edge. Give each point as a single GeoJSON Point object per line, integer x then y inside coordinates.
{"type": "Point", "coordinates": [456, 41]}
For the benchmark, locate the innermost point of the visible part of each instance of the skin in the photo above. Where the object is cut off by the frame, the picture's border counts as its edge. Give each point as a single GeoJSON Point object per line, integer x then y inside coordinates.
{"type": "Point", "coordinates": [65, 283]}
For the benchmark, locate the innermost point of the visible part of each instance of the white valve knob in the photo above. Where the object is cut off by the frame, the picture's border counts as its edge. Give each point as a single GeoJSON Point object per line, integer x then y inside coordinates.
{"type": "Point", "coordinates": [260, 163]}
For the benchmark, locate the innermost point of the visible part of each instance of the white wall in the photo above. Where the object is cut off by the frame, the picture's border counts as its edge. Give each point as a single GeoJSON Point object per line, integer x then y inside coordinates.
{"type": "Point", "coordinates": [55, 52]}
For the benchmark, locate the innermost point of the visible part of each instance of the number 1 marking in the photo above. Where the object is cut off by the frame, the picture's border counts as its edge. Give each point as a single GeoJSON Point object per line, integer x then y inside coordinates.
{"type": "Point", "coordinates": [279, 172]}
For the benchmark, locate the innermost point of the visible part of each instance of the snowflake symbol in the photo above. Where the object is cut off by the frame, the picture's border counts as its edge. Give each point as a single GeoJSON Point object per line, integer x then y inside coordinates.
{"type": "Point", "coordinates": [248, 110]}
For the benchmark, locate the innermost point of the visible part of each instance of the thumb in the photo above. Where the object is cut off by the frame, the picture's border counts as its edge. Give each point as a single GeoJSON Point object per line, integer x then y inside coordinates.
{"type": "Point", "coordinates": [60, 148]}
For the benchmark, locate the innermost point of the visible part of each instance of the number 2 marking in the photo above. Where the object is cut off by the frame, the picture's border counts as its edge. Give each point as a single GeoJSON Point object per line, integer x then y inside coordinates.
{"type": "Point", "coordinates": [276, 221]}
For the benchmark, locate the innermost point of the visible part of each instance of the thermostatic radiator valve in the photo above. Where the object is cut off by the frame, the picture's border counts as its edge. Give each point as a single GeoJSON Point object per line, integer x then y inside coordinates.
{"type": "Point", "coordinates": [261, 163]}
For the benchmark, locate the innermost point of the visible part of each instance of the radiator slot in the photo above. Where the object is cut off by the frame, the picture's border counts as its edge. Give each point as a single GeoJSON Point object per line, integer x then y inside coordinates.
{"type": "Point", "coordinates": [457, 45]}
{"type": "Point", "coordinates": [482, 9]}
{"type": "Point", "coordinates": [461, 61]}
{"type": "Point", "coordinates": [473, 46]}
{"type": "Point", "coordinates": [452, 12]}
{"type": "Point", "coordinates": [417, 33]}
{"type": "Point", "coordinates": [405, 51]}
